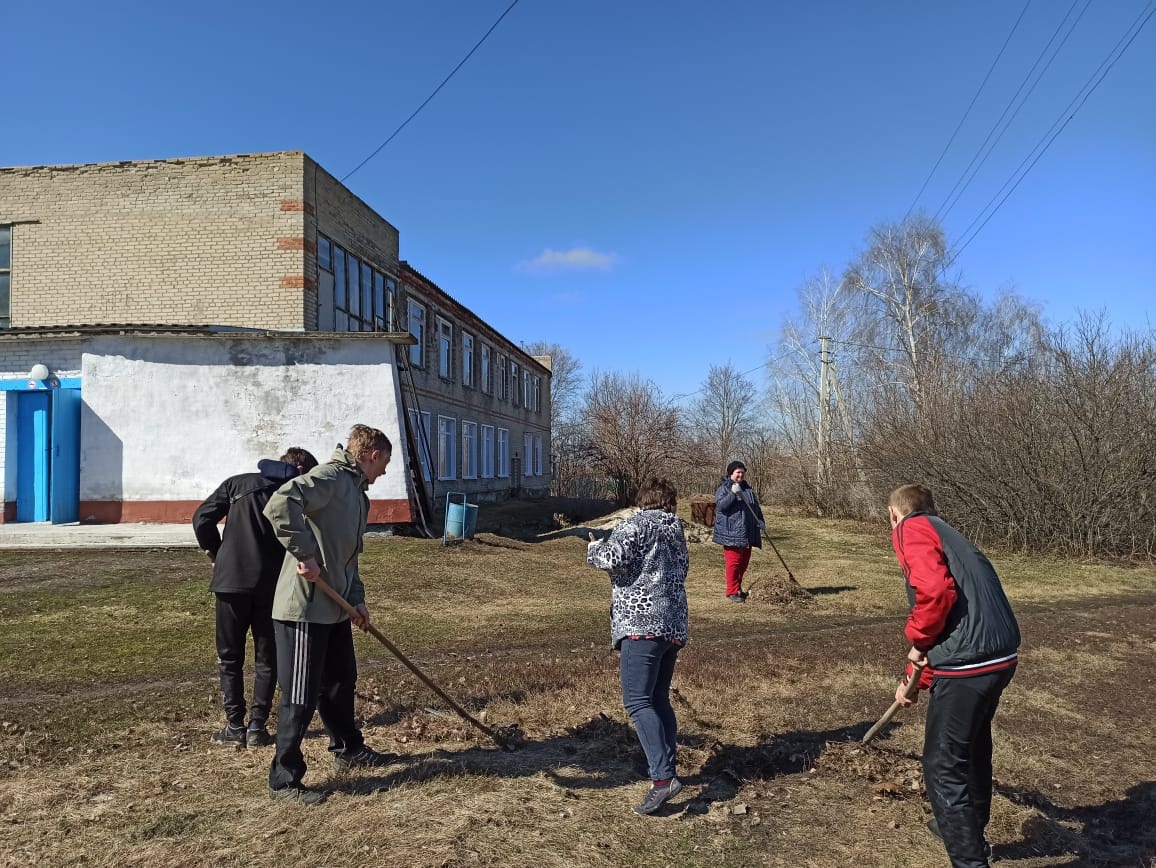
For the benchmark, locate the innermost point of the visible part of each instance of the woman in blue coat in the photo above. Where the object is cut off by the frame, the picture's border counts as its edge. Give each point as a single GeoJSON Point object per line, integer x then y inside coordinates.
{"type": "Point", "coordinates": [738, 525]}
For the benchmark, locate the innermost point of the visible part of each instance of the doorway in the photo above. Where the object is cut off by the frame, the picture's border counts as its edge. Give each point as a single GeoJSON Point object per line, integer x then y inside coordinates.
{"type": "Point", "coordinates": [48, 455]}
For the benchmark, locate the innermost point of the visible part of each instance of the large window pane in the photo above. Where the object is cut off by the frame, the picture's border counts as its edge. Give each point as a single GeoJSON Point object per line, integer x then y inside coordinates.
{"type": "Point", "coordinates": [379, 300]}
{"type": "Point", "coordinates": [353, 275]}
{"type": "Point", "coordinates": [366, 297]}
{"type": "Point", "coordinates": [323, 253]}
{"type": "Point", "coordinates": [5, 247]}
{"type": "Point", "coordinates": [5, 300]}
{"type": "Point", "coordinates": [339, 301]}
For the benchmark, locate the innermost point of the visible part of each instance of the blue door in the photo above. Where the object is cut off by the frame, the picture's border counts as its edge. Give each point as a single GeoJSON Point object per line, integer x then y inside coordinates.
{"type": "Point", "coordinates": [64, 493]}
{"type": "Point", "coordinates": [32, 455]}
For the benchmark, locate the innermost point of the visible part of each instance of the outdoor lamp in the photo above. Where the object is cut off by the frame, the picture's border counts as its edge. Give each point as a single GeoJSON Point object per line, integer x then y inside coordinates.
{"type": "Point", "coordinates": [39, 372]}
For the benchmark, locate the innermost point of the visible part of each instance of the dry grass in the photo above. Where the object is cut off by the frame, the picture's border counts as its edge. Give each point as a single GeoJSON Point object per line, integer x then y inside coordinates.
{"type": "Point", "coordinates": [109, 697]}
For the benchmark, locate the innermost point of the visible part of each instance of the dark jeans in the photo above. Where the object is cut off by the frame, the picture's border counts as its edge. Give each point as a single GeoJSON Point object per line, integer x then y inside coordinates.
{"type": "Point", "coordinates": [646, 668]}
{"type": "Point", "coordinates": [318, 672]}
{"type": "Point", "coordinates": [237, 616]}
{"type": "Point", "coordinates": [957, 761]}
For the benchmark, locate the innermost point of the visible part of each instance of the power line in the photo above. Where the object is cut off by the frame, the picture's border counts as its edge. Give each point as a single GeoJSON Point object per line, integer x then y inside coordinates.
{"type": "Point", "coordinates": [461, 63]}
{"type": "Point", "coordinates": [765, 364]}
{"type": "Point", "coordinates": [1007, 108]}
{"type": "Point", "coordinates": [1018, 108]}
{"type": "Point", "coordinates": [1106, 65]}
{"type": "Point", "coordinates": [967, 111]}
{"type": "Point", "coordinates": [956, 356]}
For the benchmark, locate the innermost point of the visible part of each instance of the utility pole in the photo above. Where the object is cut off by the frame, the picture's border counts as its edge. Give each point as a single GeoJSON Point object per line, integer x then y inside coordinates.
{"type": "Point", "coordinates": [824, 469]}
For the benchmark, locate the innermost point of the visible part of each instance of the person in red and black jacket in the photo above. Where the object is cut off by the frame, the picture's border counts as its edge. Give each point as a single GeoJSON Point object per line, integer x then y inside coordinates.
{"type": "Point", "coordinates": [965, 637]}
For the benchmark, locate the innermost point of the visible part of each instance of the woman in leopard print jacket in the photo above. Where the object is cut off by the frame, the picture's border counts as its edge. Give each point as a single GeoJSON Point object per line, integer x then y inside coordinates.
{"type": "Point", "coordinates": [647, 559]}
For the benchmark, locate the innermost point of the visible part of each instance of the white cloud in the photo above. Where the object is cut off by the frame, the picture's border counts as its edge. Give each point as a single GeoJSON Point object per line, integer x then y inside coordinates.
{"type": "Point", "coordinates": [574, 259]}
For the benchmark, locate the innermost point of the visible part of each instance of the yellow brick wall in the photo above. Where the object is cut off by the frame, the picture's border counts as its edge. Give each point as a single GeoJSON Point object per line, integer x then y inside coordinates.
{"type": "Point", "coordinates": [207, 240]}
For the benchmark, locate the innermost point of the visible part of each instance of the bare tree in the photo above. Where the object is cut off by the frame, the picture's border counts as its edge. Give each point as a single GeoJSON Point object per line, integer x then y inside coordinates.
{"type": "Point", "coordinates": [632, 432]}
{"type": "Point", "coordinates": [566, 442]}
{"type": "Point", "coordinates": [724, 414]}
{"type": "Point", "coordinates": [565, 380]}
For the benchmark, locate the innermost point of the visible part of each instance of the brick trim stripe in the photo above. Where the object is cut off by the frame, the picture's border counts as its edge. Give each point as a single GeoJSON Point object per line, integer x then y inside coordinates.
{"type": "Point", "coordinates": [296, 243]}
{"type": "Point", "coordinates": [298, 205]}
{"type": "Point", "coordinates": [181, 511]}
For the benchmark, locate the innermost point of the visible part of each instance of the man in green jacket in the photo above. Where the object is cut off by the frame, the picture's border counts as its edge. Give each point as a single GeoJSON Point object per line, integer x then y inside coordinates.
{"type": "Point", "coordinates": [320, 518]}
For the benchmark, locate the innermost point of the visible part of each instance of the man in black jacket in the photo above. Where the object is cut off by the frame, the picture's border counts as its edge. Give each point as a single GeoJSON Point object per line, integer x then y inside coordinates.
{"type": "Point", "coordinates": [246, 564]}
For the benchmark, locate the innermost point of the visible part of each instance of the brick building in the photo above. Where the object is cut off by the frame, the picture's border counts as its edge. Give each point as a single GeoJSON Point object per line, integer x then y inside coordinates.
{"type": "Point", "coordinates": [218, 271]}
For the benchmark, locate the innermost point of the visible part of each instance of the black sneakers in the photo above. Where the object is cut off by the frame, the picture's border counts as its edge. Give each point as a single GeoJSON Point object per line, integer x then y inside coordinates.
{"type": "Point", "coordinates": [229, 736]}
{"type": "Point", "coordinates": [658, 796]}
{"type": "Point", "coordinates": [740, 597]}
{"type": "Point", "coordinates": [297, 794]}
{"type": "Point", "coordinates": [363, 758]}
{"type": "Point", "coordinates": [257, 736]}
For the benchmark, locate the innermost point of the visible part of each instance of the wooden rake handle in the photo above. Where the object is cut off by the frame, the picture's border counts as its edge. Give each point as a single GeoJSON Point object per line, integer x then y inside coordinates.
{"type": "Point", "coordinates": [910, 691]}
{"type": "Point", "coordinates": [396, 652]}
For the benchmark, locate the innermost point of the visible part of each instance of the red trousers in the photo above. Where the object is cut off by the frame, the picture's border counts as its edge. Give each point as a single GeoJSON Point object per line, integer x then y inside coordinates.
{"type": "Point", "coordinates": [736, 565]}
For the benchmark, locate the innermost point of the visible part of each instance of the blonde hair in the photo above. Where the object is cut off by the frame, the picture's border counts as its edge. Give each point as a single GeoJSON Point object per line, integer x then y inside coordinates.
{"type": "Point", "coordinates": [363, 440]}
{"type": "Point", "coordinates": [912, 498]}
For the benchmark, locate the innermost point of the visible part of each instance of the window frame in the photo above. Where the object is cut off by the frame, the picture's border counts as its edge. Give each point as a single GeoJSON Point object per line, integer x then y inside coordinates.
{"type": "Point", "coordinates": [445, 343]}
{"type": "Point", "coordinates": [447, 434]}
{"type": "Point", "coordinates": [417, 349]}
{"type": "Point", "coordinates": [503, 453]}
{"type": "Point", "coordinates": [487, 452]}
{"type": "Point", "coordinates": [469, 449]}
{"type": "Point", "coordinates": [527, 455]}
{"type": "Point", "coordinates": [420, 423]}
{"type": "Point", "coordinates": [6, 278]}
{"type": "Point", "coordinates": [467, 360]}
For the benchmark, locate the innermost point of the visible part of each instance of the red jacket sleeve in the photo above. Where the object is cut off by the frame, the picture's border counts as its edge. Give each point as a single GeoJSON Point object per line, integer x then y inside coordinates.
{"type": "Point", "coordinates": [925, 565]}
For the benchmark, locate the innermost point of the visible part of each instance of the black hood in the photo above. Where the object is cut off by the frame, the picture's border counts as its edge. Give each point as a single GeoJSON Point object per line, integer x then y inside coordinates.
{"type": "Point", "coordinates": [276, 471]}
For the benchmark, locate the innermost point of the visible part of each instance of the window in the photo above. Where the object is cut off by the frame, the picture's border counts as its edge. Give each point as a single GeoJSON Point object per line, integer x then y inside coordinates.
{"type": "Point", "coordinates": [537, 394]}
{"type": "Point", "coordinates": [353, 272]}
{"type": "Point", "coordinates": [390, 304]}
{"type": "Point", "coordinates": [420, 426]}
{"type": "Point", "coordinates": [5, 277]}
{"type": "Point", "coordinates": [379, 305]}
{"type": "Point", "coordinates": [537, 456]}
{"type": "Point", "coordinates": [500, 386]}
{"type": "Point", "coordinates": [363, 296]}
{"type": "Point", "coordinates": [484, 368]}
{"type": "Point", "coordinates": [469, 450]}
{"type": "Point", "coordinates": [525, 389]}
{"type": "Point", "coordinates": [487, 452]}
{"type": "Point", "coordinates": [503, 453]}
{"type": "Point", "coordinates": [527, 455]}
{"type": "Point", "coordinates": [467, 360]}
{"type": "Point", "coordinates": [445, 348]}
{"type": "Point", "coordinates": [340, 305]}
{"type": "Point", "coordinates": [447, 447]}
{"type": "Point", "coordinates": [417, 329]}
{"type": "Point", "coordinates": [515, 389]}
{"type": "Point", "coordinates": [366, 297]}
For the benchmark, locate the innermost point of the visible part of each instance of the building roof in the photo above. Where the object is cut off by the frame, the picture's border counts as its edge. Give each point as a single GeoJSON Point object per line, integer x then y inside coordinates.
{"type": "Point", "coordinates": [407, 268]}
{"type": "Point", "coordinates": [157, 329]}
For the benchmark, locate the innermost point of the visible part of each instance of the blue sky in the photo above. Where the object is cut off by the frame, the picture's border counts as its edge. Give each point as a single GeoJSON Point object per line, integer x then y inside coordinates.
{"type": "Point", "coordinates": [646, 183]}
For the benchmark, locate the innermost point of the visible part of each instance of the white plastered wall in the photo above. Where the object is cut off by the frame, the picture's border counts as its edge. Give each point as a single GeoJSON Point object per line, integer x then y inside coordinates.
{"type": "Point", "coordinates": [167, 418]}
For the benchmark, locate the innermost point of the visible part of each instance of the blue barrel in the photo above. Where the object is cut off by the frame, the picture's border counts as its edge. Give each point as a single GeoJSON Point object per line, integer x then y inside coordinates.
{"type": "Point", "coordinates": [461, 520]}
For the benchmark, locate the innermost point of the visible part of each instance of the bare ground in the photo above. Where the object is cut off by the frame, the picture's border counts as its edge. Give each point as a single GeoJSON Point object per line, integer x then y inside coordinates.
{"type": "Point", "coordinates": [114, 768]}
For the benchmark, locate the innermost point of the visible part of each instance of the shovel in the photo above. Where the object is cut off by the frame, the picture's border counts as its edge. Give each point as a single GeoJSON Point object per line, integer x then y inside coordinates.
{"type": "Point", "coordinates": [910, 691]}
{"type": "Point", "coordinates": [502, 740]}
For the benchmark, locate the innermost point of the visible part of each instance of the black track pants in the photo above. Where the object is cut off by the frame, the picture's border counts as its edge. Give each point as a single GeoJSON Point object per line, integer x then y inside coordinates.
{"type": "Point", "coordinates": [957, 761]}
{"type": "Point", "coordinates": [318, 672]}
{"type": "Point", "coordinates": [237, 616]}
